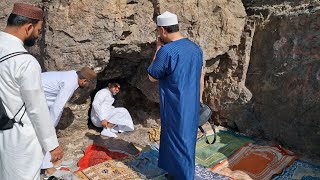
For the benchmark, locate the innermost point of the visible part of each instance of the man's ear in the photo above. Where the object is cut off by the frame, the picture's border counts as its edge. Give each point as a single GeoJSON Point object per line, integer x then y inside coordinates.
{"type": "Point", "coordinates": [29, 29]}
{"type": "Point", "coordinates": [162, 30]}
{"type": "Point", "coordinates": [85, 81]}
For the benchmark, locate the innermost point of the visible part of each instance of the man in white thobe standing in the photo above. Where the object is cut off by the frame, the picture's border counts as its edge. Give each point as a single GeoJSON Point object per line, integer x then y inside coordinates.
{"type": "Point", "coordinates": [104, 114]}
{"type": "Point", "coordinates": [22, 147]}
{"type": "Point", "coordinates": [58, 88]}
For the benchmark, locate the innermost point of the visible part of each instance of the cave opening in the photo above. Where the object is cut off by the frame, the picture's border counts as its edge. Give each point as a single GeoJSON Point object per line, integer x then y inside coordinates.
{"type": "Point", "coordinates": [128, 66]}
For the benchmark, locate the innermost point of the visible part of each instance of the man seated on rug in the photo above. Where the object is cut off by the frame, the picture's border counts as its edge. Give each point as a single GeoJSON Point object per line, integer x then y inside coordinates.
{"type": "Point", "coordinates": [58, 88]}
{"type": "Point", "coordinates": [103, 114]}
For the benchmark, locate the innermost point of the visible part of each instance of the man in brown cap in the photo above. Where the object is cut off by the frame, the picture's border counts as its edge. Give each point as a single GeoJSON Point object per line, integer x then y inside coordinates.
{"type": "Point", "coordinates": [22, 144]}
{"type": "Point", "coordinates": [58, 88]}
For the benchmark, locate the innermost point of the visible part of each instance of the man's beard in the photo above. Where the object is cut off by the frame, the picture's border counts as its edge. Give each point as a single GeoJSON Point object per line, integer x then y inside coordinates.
{"type": "Point", "coordinates": [30, 41]}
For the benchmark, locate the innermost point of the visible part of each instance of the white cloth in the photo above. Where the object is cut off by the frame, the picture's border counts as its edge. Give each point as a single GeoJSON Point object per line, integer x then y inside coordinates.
{"type": "Point", "coordinates": [21, 148]}
{"type": "Point", "coordinates": [102, 109]}
{"type": "Point", "coordinates": [167, 19]}
{"type": "Point", "coordinates": [58, 88]}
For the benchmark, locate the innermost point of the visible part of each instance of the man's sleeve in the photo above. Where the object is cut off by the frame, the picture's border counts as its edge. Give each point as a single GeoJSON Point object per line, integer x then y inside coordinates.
{"type": "Point", "coordinates": [158, 69]}
{"type": "Point", "coordinates": [35, 102]}
{"type": "Point", "coordinates": [65, 93]}
{"type": "Point", "coordinates": [97, 104]}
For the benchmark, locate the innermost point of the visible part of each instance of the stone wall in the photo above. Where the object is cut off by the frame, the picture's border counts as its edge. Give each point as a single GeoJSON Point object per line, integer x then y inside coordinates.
{"type": "Point", "coordinates": [283, 77]}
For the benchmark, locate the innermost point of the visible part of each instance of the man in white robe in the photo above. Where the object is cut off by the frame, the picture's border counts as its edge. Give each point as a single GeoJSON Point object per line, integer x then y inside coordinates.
{"type": "Point", "coordinates": [22, 147]}
{"type": "Point", "coordinates": [103, 114]}
{"type": "Point", "coordinates": [58, 88]}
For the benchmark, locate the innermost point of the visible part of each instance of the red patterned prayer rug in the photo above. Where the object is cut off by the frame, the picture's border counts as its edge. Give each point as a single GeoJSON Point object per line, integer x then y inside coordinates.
{"type": "Point", "coordinates": [255, 162]}
{"type": "Point", "coordinates": [96, 154]}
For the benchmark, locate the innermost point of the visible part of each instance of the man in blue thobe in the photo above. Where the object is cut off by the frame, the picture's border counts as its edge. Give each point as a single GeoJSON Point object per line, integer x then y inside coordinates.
{"type": "Point", "coordinates": [177, 66]}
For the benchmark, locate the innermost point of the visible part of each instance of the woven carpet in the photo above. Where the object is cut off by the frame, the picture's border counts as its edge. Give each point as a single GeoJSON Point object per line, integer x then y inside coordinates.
{"type": "Point", "coordinates": [81, 176]}
{"type": "Point", "coordinates": [300, 170]}
{"type": "Point", "coordinates": [227, 142]}
{"type": "Point", "coordinates": [147, 162]}
{"type": "Point", "coordinates": [202, 173]}
{"type": "Point", "coordinates": [255, 162]}
{"type": "Point", "coordinates": [95, 154]}
{"type": "Point", "coordinates": [116, 169]}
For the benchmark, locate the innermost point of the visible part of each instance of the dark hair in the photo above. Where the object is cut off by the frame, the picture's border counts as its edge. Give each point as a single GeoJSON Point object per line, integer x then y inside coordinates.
{"type": "Point", "coordinates": [17, 20]}
{"type": "Point", "coordinates": [113, 84]}
{"type": "Point", "coordinates": [172, 28]}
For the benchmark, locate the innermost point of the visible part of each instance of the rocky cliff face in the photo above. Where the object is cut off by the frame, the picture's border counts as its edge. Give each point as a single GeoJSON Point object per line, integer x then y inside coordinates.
{"type": "Point", "coordinates": [284, 76]}
{"type": "Point", "coordinates": [261, 58]}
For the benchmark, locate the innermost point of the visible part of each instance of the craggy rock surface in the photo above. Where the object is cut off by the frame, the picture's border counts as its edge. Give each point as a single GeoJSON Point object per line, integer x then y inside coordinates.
{"type": "Point", "coordinates": [262, 61]}
{"type": "Point", "coordinates": [284, 78]}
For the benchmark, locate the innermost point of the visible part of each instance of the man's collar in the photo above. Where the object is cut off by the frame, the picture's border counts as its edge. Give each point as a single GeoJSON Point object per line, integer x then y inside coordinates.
{"type": "Point", "coordinates": [12, 37]}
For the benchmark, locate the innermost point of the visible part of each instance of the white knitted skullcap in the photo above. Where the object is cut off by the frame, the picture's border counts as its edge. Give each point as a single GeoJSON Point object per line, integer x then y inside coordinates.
{"type": "Point", "coordinates": [167, 19]}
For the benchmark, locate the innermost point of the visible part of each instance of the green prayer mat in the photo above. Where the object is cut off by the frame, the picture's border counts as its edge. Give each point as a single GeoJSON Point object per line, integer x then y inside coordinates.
{"type": "Point", "coordinates": [227, 142]}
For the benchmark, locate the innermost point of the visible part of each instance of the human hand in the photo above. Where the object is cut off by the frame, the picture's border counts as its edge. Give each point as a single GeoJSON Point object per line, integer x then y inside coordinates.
{"type": "Point", "coordinates": [159, 42]}
{"type": "Point", "coordinates": [56, 154]}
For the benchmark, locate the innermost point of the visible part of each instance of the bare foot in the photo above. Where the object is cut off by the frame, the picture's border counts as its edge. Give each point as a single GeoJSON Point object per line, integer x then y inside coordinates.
{"type": "Point", "coordinates": [106, 124]}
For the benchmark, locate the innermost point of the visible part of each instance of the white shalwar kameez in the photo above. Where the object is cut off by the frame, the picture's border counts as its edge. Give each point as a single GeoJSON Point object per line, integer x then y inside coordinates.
{"type": "Point", "coordinates": [102, 109]}
{"type": "Point", "coordinates": [58, 88]}
{"type": "Point", "coordinates": [22, 147]}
